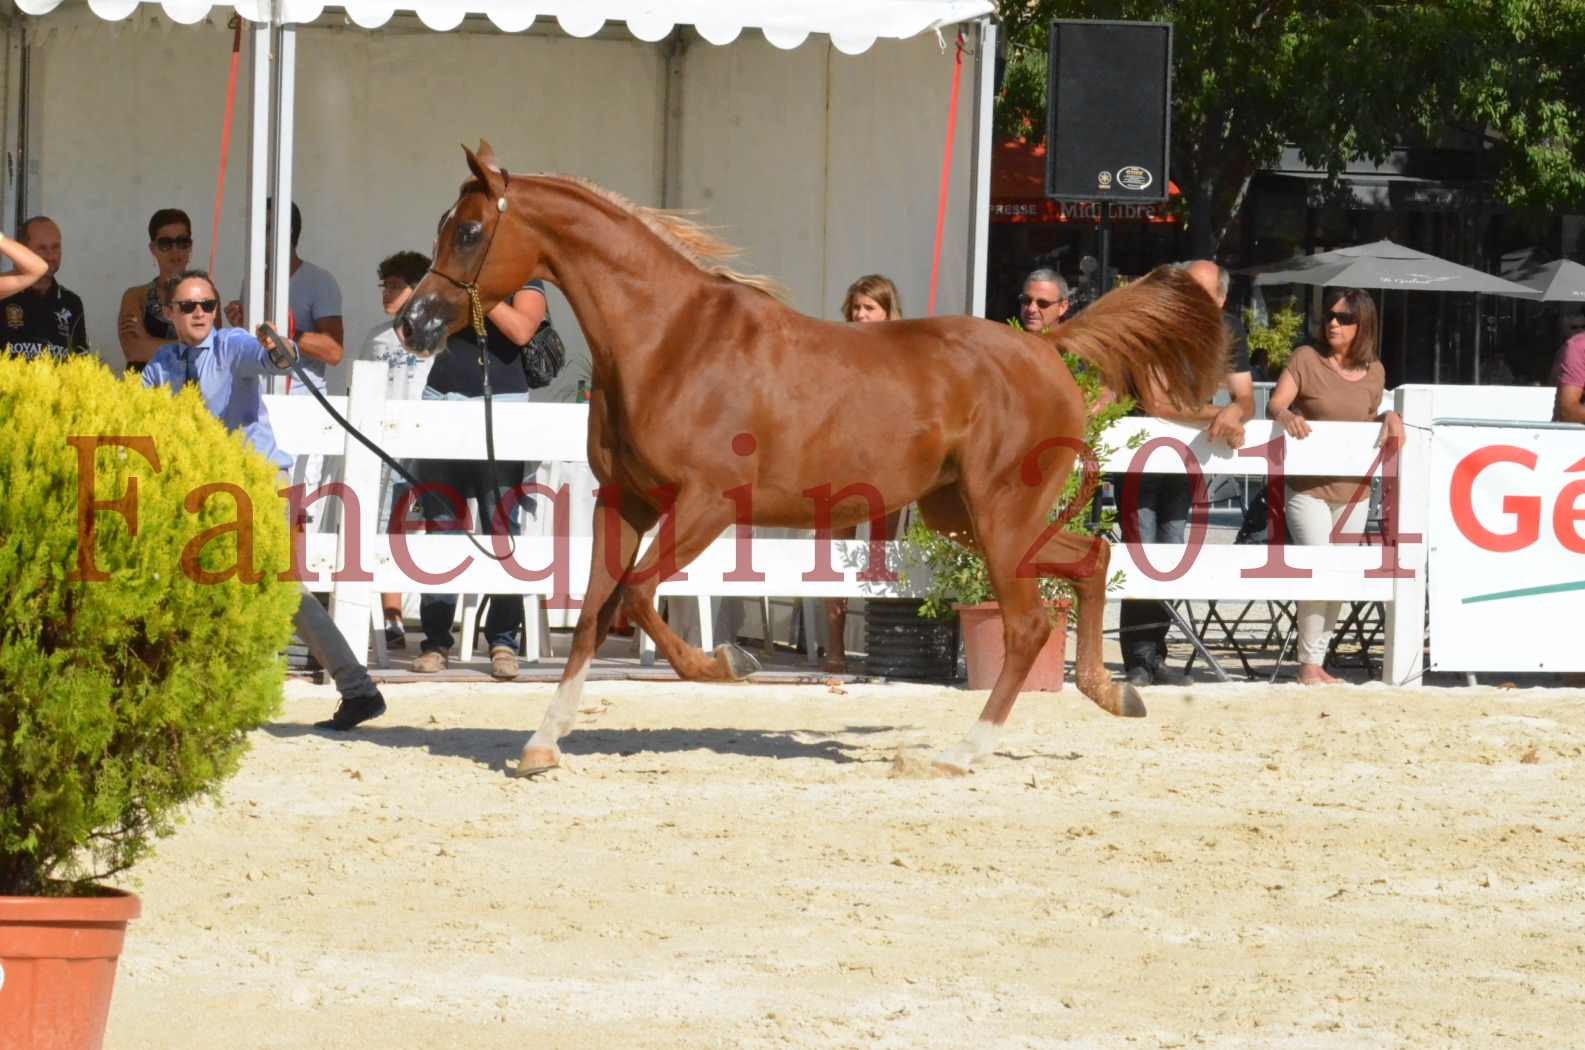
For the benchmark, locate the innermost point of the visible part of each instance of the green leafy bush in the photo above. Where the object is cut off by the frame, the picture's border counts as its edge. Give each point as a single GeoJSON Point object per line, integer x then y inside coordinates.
{"type": "Point", "coordinates": [124, 697]}
{"type": "Point", "coordinates": [958, 576]}
{"type": "Point", "coordinates": [1274, 343]}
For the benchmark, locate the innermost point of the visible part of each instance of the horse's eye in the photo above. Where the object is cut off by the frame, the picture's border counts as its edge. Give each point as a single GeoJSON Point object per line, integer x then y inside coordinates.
{"type": "Point", "coordinates": [468, 234]}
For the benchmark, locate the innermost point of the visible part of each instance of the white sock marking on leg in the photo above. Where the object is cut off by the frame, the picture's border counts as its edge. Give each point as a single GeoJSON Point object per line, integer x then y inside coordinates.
{"type": "Point", "coordinates": [561, 712]}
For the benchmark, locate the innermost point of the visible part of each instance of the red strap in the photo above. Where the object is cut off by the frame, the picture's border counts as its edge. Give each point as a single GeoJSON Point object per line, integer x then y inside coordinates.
{"type": "Point", "coordinates": [946, 175]}
{"type": "Point", "coordinates": [225, 138]}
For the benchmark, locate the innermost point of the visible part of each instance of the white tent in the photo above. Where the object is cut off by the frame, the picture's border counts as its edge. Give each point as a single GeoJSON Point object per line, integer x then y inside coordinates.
{"type": "Point", "coordinates": [813, 133]}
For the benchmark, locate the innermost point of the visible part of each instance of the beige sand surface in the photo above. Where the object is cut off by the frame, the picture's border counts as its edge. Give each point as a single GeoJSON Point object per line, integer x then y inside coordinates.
{"type": "Point", "coordinates": [767, 866]}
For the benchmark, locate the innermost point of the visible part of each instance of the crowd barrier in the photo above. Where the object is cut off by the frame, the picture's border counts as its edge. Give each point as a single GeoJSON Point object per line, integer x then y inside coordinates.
{"type": "Point", "coordinates": [358, 561]}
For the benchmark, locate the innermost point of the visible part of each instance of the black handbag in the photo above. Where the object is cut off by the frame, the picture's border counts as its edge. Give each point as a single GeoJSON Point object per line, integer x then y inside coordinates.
{"type": "Point", "coordinates": [543, 357]}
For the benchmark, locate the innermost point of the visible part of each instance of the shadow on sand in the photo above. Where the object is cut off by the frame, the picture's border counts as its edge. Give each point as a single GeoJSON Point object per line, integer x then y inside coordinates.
{"type": "Point", "coordinates": [492, 748]}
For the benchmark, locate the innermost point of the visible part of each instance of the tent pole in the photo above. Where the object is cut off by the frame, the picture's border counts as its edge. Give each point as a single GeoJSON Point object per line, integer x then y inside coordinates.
{"type": "Point", "coordinates": [19, 84]}
{"type": "Point", "coordinates": [980, 164]}
{"type": "Point", "coordinates": [1477, 339]}
{"type": "Point", "coordinates": [259, 78]}
{"type": "Point", "coordinates": [277, 302]}
{"type": "Point", "coordinates": [675, 50]}
{"type": "Point", "coordinates": [1381, 331]}
{"type": "Point", "coordinates": [1436, 357]}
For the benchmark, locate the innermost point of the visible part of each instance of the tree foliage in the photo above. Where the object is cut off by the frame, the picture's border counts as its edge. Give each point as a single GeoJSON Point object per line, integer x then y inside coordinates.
{"type": "Point", "coordinates": [1342, 81]}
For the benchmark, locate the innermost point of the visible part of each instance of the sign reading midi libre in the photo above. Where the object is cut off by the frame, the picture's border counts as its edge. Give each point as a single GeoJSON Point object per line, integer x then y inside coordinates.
{"type": "Point", "coordinates": [1507, 559]}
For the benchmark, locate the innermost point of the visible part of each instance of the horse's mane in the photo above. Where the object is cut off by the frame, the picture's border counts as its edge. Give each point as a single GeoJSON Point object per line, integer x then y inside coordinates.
{"type": "Point", "coordinates": [691, 239]}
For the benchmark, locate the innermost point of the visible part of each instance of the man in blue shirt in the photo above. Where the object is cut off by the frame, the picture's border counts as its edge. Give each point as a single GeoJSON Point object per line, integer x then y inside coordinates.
{"type": "Point", "coordinates": [226, 365]}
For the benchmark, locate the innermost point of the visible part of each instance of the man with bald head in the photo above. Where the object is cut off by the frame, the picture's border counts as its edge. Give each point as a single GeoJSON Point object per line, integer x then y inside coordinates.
{"type": "Point", "coordinates": [1162, 512]}
{"type": "Point", "coordinates": [45, 319]}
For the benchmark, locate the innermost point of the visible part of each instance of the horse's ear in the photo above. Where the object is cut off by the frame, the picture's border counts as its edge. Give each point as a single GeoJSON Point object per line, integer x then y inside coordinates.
{"type": "Point", "coordinates": [489, 176]}
{"type": "Point", "coordinates": [486, 155]}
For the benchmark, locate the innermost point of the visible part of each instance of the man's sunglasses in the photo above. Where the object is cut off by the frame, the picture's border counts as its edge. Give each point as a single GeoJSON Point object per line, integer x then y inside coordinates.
{"type": "Point", "coordinates": [165, 244]}
{"type": "Point", "coordinates": [1347, 320]}
{"type": "Point", "coordinates": [1044, 304]}
{"type": "Point", "coordinates": [187, 306]}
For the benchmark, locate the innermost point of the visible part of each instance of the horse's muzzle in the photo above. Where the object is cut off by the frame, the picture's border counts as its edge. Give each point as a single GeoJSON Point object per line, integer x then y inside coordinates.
{"type": "Point", "coordinates": [421, 326]}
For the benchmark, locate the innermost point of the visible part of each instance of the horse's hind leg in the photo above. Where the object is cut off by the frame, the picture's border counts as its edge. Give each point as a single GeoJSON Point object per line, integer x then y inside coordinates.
{"type": "Point", "coordinates": [1084, 561]}
{"type": "Point", "coordinates": [600, 601]}
{"type": "Point", "coordinates": [695, 523]}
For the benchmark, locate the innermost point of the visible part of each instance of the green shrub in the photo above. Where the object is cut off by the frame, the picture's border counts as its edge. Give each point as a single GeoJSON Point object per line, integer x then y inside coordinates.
{"type": "Point", "coordinates": [123, 698]}
{"type": "Point", "coordinates": [958, 576]}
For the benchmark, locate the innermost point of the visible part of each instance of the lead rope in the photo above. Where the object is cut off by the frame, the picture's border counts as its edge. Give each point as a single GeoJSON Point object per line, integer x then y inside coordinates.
{"type": "Point", "coordinates": [292, 359]}
{"type": "Point", "coordinates": [476, 315]}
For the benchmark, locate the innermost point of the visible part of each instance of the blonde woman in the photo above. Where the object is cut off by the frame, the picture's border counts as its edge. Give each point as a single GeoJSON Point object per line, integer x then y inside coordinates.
{"type": "Point", "coordinates": [872, 297]}
{"type": "Point", "coordinates": [1341, 381]}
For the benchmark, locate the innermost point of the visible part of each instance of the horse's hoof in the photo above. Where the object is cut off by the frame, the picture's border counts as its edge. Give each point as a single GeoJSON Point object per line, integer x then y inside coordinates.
{"type": "Point", "coordinates": [1130, 705]}
{"type": "Point", "coordinates": [536, 760]}
{"type": "Point", "coordinates": [738, 662]}
{"type": "Point", "coordinates": [952, 764]}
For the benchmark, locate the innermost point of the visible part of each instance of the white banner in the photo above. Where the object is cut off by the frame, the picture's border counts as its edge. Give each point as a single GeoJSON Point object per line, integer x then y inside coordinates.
{"type": "Point", "coordinates": [1507, 573]}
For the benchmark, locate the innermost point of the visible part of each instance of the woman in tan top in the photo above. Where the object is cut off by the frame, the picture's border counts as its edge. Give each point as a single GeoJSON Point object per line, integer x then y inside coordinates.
{"type": "Point", "coordinates": [1342, 382]}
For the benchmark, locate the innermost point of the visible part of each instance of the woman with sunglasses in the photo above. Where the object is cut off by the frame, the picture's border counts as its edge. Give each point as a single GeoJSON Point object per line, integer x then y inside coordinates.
{"type": "Point", "coordinates": [226, 365]}
{"type": "Point", "coordinates": [1340, 382]}
{"type": "Point", "coordinates": [141, 322]}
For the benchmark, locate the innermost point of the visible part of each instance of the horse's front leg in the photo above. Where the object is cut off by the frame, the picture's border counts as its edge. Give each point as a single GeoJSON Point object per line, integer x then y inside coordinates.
{"type": "Point", "coordinates": [600, 601]}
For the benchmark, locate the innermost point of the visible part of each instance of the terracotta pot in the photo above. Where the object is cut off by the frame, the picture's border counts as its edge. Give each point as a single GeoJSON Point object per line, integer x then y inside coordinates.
{"type": "Point", "coordinates": [982, 643]}
{"type": "Point", "coordinates": [57, 967]}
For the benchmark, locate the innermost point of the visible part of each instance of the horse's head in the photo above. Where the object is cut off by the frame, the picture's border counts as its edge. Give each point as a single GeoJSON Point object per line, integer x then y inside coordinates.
{"type": "Point", "coordinates": [472, 259]}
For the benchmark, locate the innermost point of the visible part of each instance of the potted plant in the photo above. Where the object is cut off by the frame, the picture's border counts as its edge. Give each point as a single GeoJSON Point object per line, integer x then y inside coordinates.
{"type": "Point", "coordinates": [143, 618]}
{"type": "Point", "coordinates": [954, 580]}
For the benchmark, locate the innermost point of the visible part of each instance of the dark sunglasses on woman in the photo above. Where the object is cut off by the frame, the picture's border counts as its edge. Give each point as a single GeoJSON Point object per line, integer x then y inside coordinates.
{"type": "Point", "coordinates": [1347, 320]}
{"type": "Point", "coordinates": [165, 244]}
{"type": "Point", "coordinates": [187, 306]}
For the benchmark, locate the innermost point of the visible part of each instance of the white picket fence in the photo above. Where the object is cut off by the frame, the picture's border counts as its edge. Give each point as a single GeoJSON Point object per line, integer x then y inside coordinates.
{"type": "Point", "coordinates": [557, 433]}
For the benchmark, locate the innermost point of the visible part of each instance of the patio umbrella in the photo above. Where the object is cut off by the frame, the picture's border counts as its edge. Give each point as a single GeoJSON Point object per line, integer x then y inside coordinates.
{"type": "Point", "coordinates": [1389, 267]}
{"type": "Point", "coordinates": [1562, 281]}
{"type": "Point", "coordinates": [1386, 266]}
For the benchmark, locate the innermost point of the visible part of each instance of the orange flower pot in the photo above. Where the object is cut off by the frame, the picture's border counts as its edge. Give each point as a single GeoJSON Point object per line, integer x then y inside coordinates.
{"type": "Point", "coordinates": [57, 967]}
{"type": "Point", "coordinates": [984, 649]}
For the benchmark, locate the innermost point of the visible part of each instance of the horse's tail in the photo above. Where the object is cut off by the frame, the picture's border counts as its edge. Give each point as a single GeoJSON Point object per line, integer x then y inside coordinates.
{"type": "Point", "coordinates": [1163, 322]}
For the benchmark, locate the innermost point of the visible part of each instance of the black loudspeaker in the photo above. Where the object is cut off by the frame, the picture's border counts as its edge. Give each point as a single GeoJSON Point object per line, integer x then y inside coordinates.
{"type": "Point", "coordinates": [1109, 106]}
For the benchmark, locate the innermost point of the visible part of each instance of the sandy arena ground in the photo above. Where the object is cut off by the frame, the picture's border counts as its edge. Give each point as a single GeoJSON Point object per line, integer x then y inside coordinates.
{"type": "Point", "coordinates": [773, 865]}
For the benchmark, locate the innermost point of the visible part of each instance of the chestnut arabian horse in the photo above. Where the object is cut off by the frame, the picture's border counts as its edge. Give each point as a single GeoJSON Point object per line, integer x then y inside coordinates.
{"type": "Point", "coordinates": [707, 389]}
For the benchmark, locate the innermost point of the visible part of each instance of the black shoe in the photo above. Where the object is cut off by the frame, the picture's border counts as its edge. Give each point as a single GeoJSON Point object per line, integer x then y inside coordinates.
{"type": "Point", "coordinates": [1161, 674]}
{"type": "Point", "coordinates": [395, 634]}
{"type": "Point", "coordinates": [1140, 676]}
{"type": "Point", "coordinates": [354, 711]}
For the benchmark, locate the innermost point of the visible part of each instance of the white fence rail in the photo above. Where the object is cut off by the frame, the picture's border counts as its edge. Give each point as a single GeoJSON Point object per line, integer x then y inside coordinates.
{"type": "Point", "coordinates": [454, 430]}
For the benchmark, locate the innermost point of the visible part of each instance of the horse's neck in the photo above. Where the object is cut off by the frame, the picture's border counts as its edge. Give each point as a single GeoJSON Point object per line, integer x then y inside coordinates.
{"type": "Point", "coordinates": [624, 283]}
